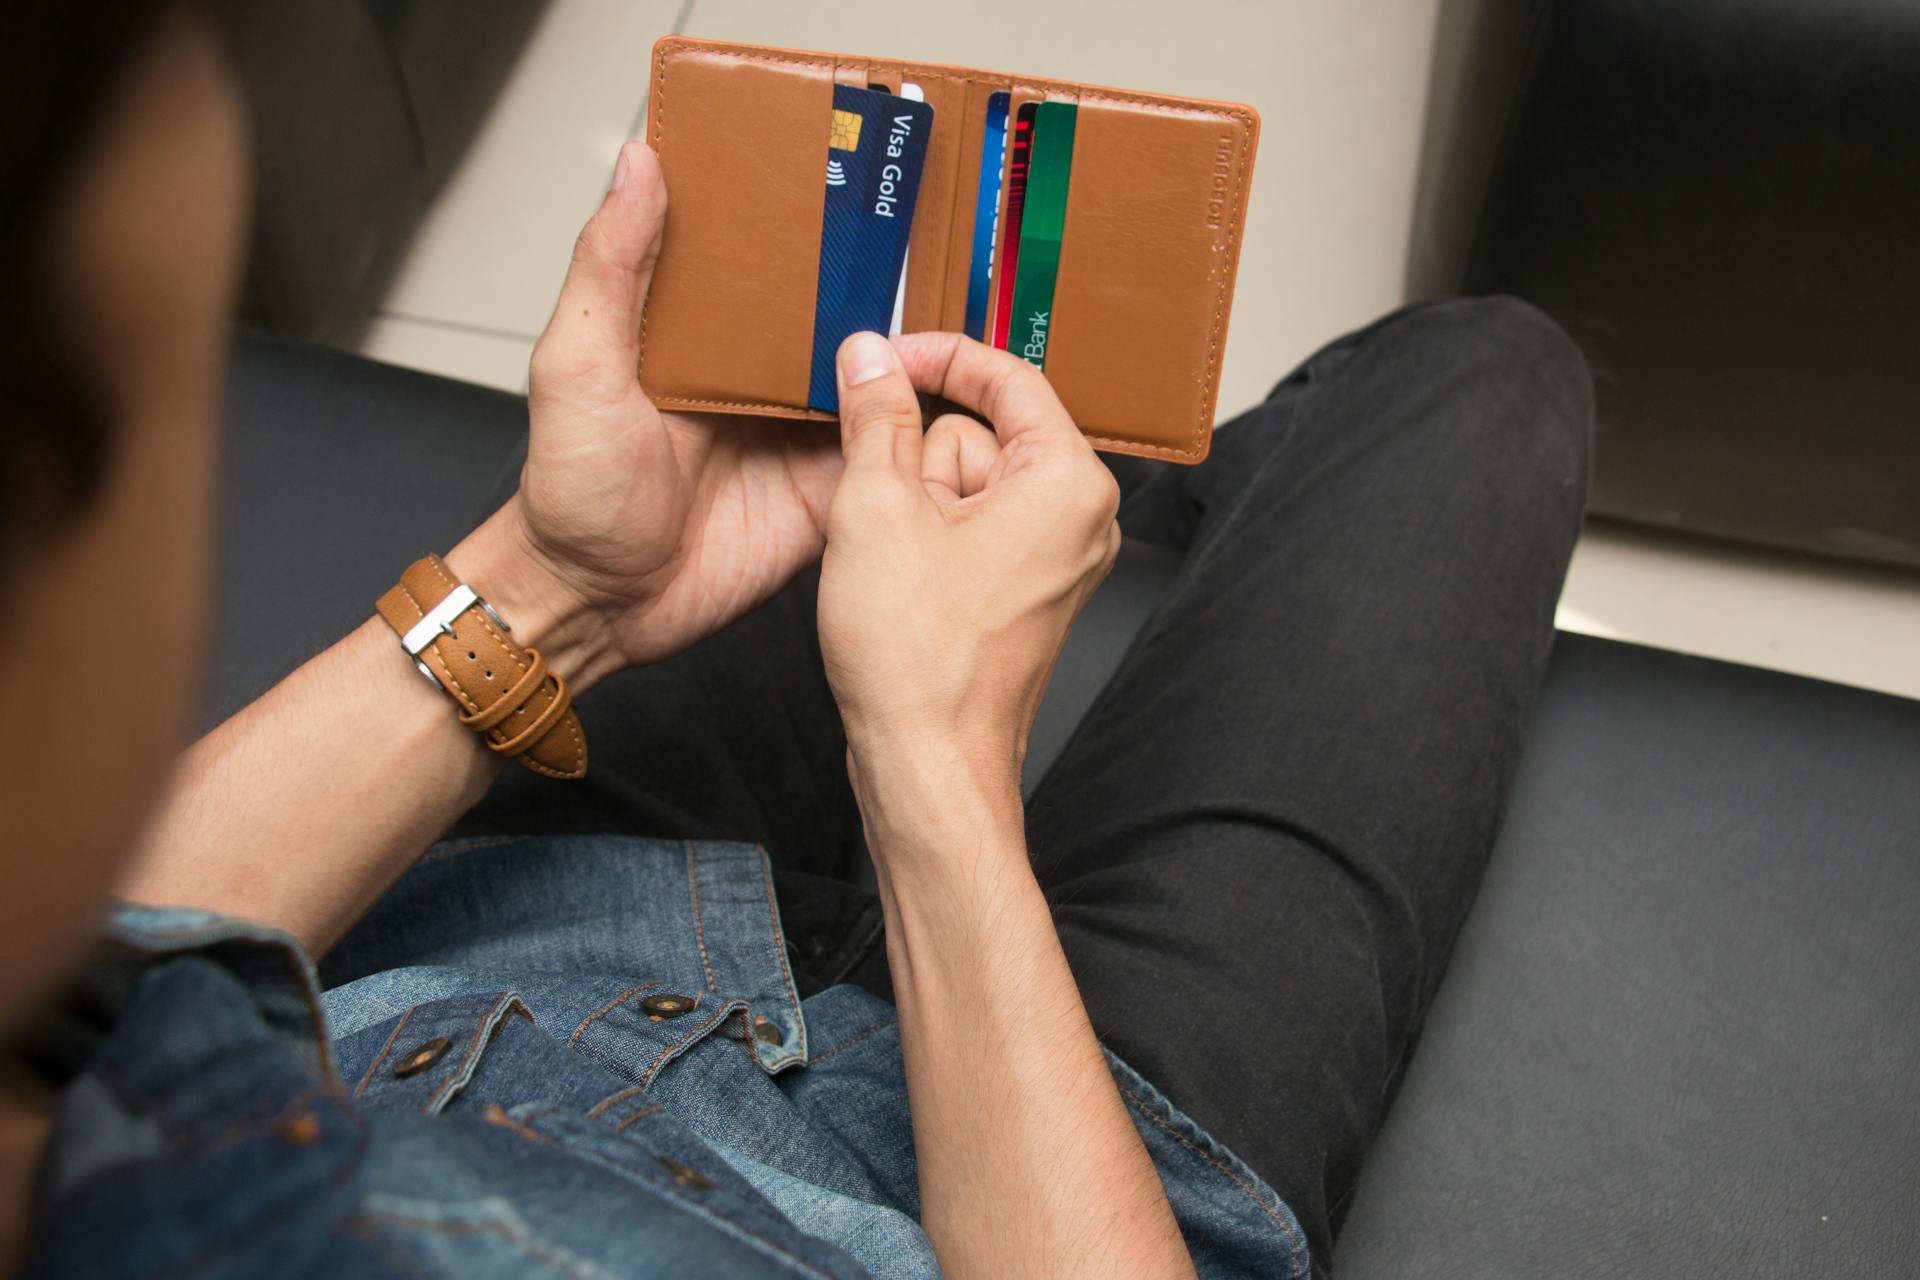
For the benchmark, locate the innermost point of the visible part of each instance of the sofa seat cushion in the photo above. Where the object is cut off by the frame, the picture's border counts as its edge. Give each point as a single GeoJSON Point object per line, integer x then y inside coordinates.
{"type": "Point", "coordinates": [1681, 1032]}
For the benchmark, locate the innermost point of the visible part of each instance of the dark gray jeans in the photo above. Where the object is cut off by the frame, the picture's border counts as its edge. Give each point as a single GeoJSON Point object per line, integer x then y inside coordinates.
{"type": "Point", "coordinates": [1263, 838]}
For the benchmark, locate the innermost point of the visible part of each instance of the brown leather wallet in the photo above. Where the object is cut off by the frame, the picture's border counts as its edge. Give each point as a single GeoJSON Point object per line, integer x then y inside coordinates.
{"type": "Point", "coordinates": [506, 694]}
{"type": "Point", "coordinates": [1157, 196]}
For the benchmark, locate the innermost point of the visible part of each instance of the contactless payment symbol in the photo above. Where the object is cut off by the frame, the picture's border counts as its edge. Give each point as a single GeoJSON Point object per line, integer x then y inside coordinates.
{"type": "Point", "coordinates": [843, 136]}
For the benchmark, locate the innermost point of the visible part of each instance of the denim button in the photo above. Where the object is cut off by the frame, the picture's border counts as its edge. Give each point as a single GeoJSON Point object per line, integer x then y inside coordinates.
{"type": "Point", "coordinates": [765, 1028]}
{"type": "Point", "coordinates": [302, 1130]}
{"type": "Point", "coordinates": [685, 1175]}
{"type": "Point", "coordinates": [422, 1057]}
{"type": "Point", "coordinates": [668, 1006]}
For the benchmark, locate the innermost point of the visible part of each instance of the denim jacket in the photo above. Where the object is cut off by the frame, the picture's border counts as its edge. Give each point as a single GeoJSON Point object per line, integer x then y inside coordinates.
{"type": "Point", "coordinates": [588, 1060]}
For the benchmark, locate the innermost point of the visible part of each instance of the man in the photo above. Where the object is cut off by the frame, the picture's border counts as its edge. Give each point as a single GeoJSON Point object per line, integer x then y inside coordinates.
{"type": "Point", "coordinates": [598, 1054]}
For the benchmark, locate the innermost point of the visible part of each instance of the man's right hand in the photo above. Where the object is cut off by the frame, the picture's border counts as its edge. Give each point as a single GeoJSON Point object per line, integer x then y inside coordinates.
{"type": "Point", "coordinates": [955, 563]}
{"type": "Point", "coordinates": [955, 560]}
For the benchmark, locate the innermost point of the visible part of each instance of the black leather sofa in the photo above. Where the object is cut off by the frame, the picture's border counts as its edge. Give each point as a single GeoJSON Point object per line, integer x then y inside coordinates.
{"type": "Point", "coordinates": [1718, 200]}
{"type": "Point", "coordinates": [1681, 1035]}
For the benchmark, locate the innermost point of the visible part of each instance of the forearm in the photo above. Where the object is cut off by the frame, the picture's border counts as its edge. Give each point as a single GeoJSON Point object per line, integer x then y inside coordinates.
{"type": "Point", "coordinates": [303, 808]}
{"type": "Point", "coordinates": [1017, 1122]}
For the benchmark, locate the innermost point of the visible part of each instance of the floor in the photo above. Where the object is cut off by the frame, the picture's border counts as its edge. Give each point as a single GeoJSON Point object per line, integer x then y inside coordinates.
{"type": "Point", "coordinates": [1332, 209]}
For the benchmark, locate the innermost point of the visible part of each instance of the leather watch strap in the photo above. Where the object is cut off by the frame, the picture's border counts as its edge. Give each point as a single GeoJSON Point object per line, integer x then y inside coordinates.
{"type": "Point", "coordinates": [506, 693]}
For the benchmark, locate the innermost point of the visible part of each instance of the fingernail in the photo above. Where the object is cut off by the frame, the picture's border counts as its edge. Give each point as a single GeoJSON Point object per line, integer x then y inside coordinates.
{"type": "Point", "coordinates": [620, 169]}
{"type": "Point", "coordinates": [864, 357]}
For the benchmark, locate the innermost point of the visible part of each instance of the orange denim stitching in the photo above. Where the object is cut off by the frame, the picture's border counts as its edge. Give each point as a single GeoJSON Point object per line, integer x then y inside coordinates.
{"type": "Point", "coordinates": [699, 926]}
{"type": "Point", "coordinates": [600, 1107]}
{"type": "Point", "coordinates": [517, 1239]}
{"type": "Point", "coordinates": [773, 914]}
{"type": "Point", "coordinates": [848, 1044]}
{"type": "Point", "coordinates": [659, 1061]}
{"type": "Point", "coordinates": [385, 1049]}
{"type": "Point", "coordinates": [474, 1045]}
{"type": "Point", "coordinates": [615, 1003]}
{"type": "Point", "coordinates": [1293, 1240]}
{"type": "Point", "coordinates": [641, 1114]}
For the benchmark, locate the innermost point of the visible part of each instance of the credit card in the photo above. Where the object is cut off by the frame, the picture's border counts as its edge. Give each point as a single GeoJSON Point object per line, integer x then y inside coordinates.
{"type": "Point", "coordinates": [986, 216]}
{"type": "Point", "coordinates": [876, 147]}
{"type": "Point", "coordinates": [1041, 222]}
{"type": "Point", "coordinates": [912, 93]}
{"type": "Point", "coordinates": [1021, 147]}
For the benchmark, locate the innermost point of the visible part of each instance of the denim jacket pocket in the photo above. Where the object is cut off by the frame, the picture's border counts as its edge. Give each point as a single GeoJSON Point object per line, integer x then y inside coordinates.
{"type": "Point", "coordinates": [495, 1048]}
{"type": "Point", "coordinates": [636, 1042]}
{"type": "Point", "coordinates": [421, 1060]}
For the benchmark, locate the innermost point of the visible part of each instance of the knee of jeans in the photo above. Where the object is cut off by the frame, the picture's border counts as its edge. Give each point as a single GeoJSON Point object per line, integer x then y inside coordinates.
{"type": "Point", "coordinates": [1516, 391]}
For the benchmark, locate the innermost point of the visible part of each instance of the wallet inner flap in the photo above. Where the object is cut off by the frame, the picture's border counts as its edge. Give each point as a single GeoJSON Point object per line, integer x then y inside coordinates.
{"type": "Point", "coordinates": [741, 142]}
{"type": "Point", "coordinates": [1155, 198]}
{"type": "Point", "coordinates": [935, 209]}
{"type": "Point", "coordinates": [971, 132]}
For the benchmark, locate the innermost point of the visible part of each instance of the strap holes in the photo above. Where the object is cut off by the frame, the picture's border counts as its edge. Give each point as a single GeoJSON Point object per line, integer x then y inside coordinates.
{"type": "Point", "coordinates": [472, 656]}
{"type": "Point", "coordinates": [489, 675]}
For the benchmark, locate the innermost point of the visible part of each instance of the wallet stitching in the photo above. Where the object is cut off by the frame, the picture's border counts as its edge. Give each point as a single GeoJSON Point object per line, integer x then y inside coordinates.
{"type": "Point", "coordinates": [934, 284]}
{"type": "Point", "coordinates": [1196, 446]}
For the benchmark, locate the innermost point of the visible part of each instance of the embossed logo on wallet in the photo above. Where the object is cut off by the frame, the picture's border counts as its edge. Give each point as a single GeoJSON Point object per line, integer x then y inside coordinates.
{"type": "Point", "coordinates": [1217, 186]}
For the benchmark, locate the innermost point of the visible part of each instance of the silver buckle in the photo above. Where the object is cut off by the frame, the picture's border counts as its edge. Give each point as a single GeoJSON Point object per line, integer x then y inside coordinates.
{"type": "Point", "coordinates": [439, 622]}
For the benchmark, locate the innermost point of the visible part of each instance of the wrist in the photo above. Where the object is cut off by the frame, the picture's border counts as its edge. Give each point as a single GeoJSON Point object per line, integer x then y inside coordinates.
{"type": "Point", "coordinates": [962, 906]}
{"type": "Point", "coordinates": [935, 818]}
{"type": "Point", "coordinates": [545, 612]}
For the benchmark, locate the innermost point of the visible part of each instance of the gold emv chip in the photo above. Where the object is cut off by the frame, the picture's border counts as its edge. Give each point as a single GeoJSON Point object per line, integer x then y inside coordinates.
{"type": "Point", "coordinates": [846, 131]}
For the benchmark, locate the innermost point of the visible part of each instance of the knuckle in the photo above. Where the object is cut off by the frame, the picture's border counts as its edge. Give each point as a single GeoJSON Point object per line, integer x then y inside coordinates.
{"type": "Point", "coordinates": [1107, 489]}
{"type": "Point", "coordinates": [1007, 375]}
{"type": "Point", "coordinates": [941, 431]}
{"type": "Point", "coordinates": [550, 362]}
{"type": "Point", "coordinates": [588, 245]}
{"type": "Point", "coordinates": [880, 413]}
{"type": "Point", "coordinates": [1114, 541]}
{"type": "Point", "coordinates": [1095, 493]}
{"type": "Point", "coordinates": [948, 426]}
{"type": "Point", "coordinates": [1102, 550]}
{"type": "Point", "coordinates": [559, 359]}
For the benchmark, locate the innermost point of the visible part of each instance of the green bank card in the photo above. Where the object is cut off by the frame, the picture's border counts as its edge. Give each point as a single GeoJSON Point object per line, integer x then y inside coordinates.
{"type": "Point", "coordinates": [1040, 226]}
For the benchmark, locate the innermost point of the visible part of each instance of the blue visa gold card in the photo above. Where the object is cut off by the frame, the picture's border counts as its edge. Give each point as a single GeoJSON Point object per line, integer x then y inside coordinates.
{"type": "Point", "coordinates": [876, 146]}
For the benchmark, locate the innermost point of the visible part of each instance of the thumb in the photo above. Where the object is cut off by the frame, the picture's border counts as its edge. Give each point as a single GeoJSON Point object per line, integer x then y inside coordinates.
{"type": "Point", "coordinates": [879, 411]}
{"type": "Point", "coordinates": [594, 333]}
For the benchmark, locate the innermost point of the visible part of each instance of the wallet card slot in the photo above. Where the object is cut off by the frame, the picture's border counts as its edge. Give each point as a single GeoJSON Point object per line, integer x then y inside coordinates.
{"type": "Point", "coordinates": [935, 209]}
{"type": "Point", "coordinates": [966, 194]}
{"type": "Point", "coordinates": [1146, 275]}
{"type": "Point", "coordinates": [1018, 95]}
{"type": "Point", "coordinates": [742, 142]}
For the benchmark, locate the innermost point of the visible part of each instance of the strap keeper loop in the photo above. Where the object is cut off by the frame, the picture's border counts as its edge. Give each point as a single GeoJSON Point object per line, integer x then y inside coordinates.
{"type": "Point", "coordinates": [529, 736]}
{"type": "Point", "coordinates": [513, 698]}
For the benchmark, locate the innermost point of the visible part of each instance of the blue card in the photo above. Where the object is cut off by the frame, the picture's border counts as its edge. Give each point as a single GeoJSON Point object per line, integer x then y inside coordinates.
{"type": "Point", "coordinates": [876, 146]}
{"type": "Point", "coordinates": [986, 215]}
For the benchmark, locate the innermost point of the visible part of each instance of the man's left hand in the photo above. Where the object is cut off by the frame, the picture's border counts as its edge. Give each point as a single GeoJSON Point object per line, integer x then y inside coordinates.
{"type": "Point", "coordinates": [636, 533]}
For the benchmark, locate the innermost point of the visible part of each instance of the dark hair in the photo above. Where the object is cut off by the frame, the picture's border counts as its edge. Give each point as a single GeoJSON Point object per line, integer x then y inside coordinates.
{"type": "Point", "coordinates": [60, 62]}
